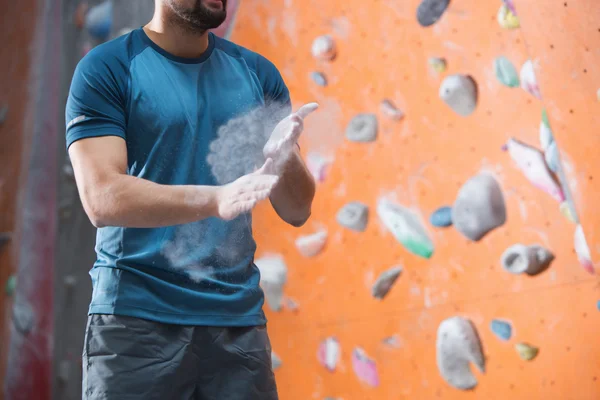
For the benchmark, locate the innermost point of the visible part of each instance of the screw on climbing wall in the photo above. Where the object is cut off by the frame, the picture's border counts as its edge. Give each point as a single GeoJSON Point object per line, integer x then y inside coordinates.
{"type": "Point", "coordinates": [319, 78]}
{"type": "Point", "coordinates": [354, 216]}
{"type": "Point", "coordinates": [460, 93]}
{"type": "Point", "coordinates": [3, 114]}
{"type": "Point", "coordinates": [437, 64]}
{"type": "Point", "coordinates": [388, 108]}
{"type": "Point", "coordinates": [430, 11]}
{"type": "Point", "coordinates": [457, 345]}
{"type": "Point", "coordinates": [526, 351]}
{"type": "Point", "coordinates": [11, 285]}
{"type": "Point", "coordinates": [323, 48]}
{"type": "Point", "coordinates": [384, 282]}
{"type": "Point", "coordinates": [362, 128]}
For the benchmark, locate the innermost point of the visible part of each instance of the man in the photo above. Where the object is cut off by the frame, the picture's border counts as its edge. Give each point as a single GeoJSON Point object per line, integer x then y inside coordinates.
{"type": "Point", "coordinates": [176, 309]}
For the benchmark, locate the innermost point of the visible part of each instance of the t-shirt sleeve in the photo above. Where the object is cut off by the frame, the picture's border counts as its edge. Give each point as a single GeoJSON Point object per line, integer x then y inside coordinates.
{"type": "Point", "coordinates": [276, 93]}
{"type": "Point", "coordinates": [97, 98]}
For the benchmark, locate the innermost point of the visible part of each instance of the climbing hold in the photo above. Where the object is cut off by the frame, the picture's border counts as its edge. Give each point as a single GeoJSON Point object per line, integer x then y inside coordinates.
{"type": "Point", "coordinates": [406, 228]}
{"type": "Point", "coordinates": [526, 351]}
{"type": "Point", "coordinates": [511, 6]}
{"type": "Point", "coordinates": [430, 11]}
{"type": "Point", "coordinates": [318, 165]}
{"type": "Point", "coordinates": [392, 341]}
{"type": "Point", "coordinates": [22, 317]}
{"type": "Point", "coordinates": [323, 48]}
{"type": "Point", "coordinates": [546, 137]}
{"type": "Point", "coordinates": [353, 215]}
{"type": "Point", "coordinates": [11, 285]}
{"type": "Point", "coordinates": [502, 329]}
{"type": "Point", "coordinates": [598, 305]}
{"type": "Point", "coordinates": [552, 157]}
{"type": "Point", "coordinates": [479, 207]}
{"type": "Point", "coordinates": [79, 16]}
{"type": "Point", "coordinates": [3, 114]}
{"type": "Point", "coordinates": [532, 163]}
{"type": "Point", "coordinates": [458, 345]}
{"type": "Point", "coordinates": [319, 78]}
{"type": "Point", "coordinates": [98, 20]}
{"type": "Point", "coordinates": [329, 353]}
{"type": "Point", "coordinates": [528, 79]}
{"type": "Point", "coordinates": [69, 281]}
{"type": "Point", "coordinates": [583, 251]}
{"type": "Point", "coordinates": [437, 64]}
{"type": "Point", "coordinates": [385, 282]}
{"type": "Point", "coordinates": [518, 259]}
{"type": "Point", "coordinates": [506, 72]}
{"type": "Point", "coordinates": [273, 275]}
{"type": "Point", "coordinates": [567, 211]}
{"type": "Point", "coordinates": [460, 93]}
{"type": "Point", "coordinates": [275, 361]}
{"type": "Point", "coordinates": [362, 128]}
{"type": "Point", "coordinates": [389, 109]}
{"type": "Point", "coordinates": [506, 18]}
{"type": "Point", "coordinates": [364, 368]}
{"type": "Point", "coordinates": [442, 217]}
{"type": "Point", "coordinates": [311, 245]}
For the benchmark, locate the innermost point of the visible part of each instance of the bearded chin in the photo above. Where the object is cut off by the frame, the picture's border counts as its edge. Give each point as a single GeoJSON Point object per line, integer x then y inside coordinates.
{"type": "Point", "coordinates": [201, 18]}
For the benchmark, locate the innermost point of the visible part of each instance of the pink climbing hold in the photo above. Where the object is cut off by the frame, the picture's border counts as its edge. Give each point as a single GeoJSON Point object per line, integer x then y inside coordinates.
{"type": "Point", "coordinates": [528, 79]}
{"type": "Point", "coordinates": [329, 353]}
{"type": "Point", "coordinates": [583, 251]}
{"type": "Point", "coordinates": [311, 245]}
{"type": "Point", "coordinates": [532, 163]}
{"type": "Point", "coordinates": [364, 368]}
{"type": "Point", "coordinates": [318, 165]}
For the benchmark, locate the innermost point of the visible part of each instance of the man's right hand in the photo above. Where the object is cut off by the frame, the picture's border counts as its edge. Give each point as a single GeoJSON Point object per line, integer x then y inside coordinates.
{"type": "Point", "coordinates": [242, 195]}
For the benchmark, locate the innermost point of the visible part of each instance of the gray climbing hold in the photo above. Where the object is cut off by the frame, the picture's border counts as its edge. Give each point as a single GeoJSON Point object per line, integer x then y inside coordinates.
{"type": "Point", "coordinates": [319, 78]}
{"type": "Point", "coordinates": [460, 93]}
{"type": "Point", "coordinates": [275, 361]}
{"type": "Point", "coordinates": [323, 48]}
{"type": "Point", "coordinates": [389, 109]}
{"type": "Point", "coordinates": [69, 281]}
{"type": "Point", "coordinates": [22, 317]}
{"type": "Point", "coordinates": [442, 217]}
{"type": "Point", "coordinates": [479, 207]}
{"type": "Point", "coordinates": [506, 72]}
{"type": "Point", "coordinates": [362, 128]}
{"type": "Point", "coordinates": [273, 276]}
{"type": "Point", "coordinates": [385, 282]}
{"type": "Point", "coordinates": [430, 11]}
{"type": "Point", "coordinates": [502, 329]}
{"type": "Point", "coordinates": [3, 114]}
{"type": "Point", "coordinates": [457, 346]}
{"type": "Point", "coordinates": [354, 216]}
{"type": "Point", "coordinates": [518, 259]}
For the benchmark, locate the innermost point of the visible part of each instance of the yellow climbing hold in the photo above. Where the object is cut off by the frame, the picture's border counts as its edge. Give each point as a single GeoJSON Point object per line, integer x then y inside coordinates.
{"type": "Point", "coordinates": [565, 210]}
{"type": "Point", "coordinates": [507, 19]}
{"type": "Point", "coordinates": [437, 64]}
{"type": "Point", "coordinates": [526, 351]}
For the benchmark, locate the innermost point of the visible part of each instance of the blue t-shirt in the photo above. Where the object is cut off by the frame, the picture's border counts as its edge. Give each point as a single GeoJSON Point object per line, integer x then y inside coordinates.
{"type": "Point", "coordinates": [185, 122]}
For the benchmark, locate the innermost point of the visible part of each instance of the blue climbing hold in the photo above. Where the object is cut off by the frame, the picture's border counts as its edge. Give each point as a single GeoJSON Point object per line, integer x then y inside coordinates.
{"type": "Point", "coordinates": [502, 329]}
{"type": "Point", "coordinates": [598, 305]}
{"type": "Point", "coordinates": [441, 217]}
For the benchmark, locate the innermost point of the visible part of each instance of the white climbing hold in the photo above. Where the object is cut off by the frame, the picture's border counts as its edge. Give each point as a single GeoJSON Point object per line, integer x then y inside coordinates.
{"type": "Point", "coordinates": [457, 346]}
{"type": "Point", "coordinates": [384, 282]}
{"type": "Point", "coordinates": [354, 216]}
{"type": "Point", "coordinates": [460, 93]}
{"type": "Point", "coordinates": [582, 250]}
{"type": "Point", "coordinates": [546, 137]}
{"type": "Point", "coordinates": [479, 207]}
{"type": "Point", "coordinates": [329, 353]}
{"type": "Point", "coordinates": [323, 48]}
{"type": "Point", "coordinates": [362, 128]}
{"type": "Point", "coordinates": [275, 361]}
{"type": "Point", "coordinates": [532, 163]}
{"type": "Point", "coordinates": [388, 108]}
{"type": "Point", "coordinates": [311, 245]}
{"type": "Point", "coordinates": [552, 157]}
{"type": "Point", "coordinates": [273, 276]}
{"type": "Point", "coordinates": [406, 227]}
{"type": "Point", "coordinates": [318, 165]}
{"type": "Point", "coordinates": [528, 79]}
{"type": "Point", "coordinates": [518, 259]}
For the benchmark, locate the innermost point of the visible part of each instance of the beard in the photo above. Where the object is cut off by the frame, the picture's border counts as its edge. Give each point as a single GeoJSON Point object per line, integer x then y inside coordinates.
{"type": "Point", "coordinates": [196, 19]}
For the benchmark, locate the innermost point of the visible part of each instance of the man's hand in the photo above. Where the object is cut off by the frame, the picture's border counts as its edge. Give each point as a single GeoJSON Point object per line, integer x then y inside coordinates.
{"type": "Point", "coordinates": [280, 145]}
{"type": "Point", "coordinates": [242, 195]}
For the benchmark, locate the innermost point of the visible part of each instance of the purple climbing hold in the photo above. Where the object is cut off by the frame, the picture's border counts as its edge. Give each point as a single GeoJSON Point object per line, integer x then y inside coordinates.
{"type": "Point", "coordinates": [430, 11]}
{"type": "Point", "coordinates": [442, 217]}
{"type": "Point", "coordinates": [319, 78]}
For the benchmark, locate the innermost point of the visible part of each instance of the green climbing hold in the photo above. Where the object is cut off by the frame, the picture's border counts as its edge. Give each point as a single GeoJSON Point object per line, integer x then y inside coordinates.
{"type": "Point", "coordinates": [545, 118]}
{"type": "Point", "coordinates": [506, 72]}
{"type": "Point", "coordinates": [11, 285]}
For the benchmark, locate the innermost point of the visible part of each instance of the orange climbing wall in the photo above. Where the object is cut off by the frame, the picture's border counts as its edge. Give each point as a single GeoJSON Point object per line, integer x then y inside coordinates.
{"type": "Point", "coordinates": [422, 161]}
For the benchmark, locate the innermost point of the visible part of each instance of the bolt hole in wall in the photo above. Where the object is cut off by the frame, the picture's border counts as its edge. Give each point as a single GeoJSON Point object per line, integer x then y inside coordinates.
{"type": "Point", "coordinates": [425, 262]}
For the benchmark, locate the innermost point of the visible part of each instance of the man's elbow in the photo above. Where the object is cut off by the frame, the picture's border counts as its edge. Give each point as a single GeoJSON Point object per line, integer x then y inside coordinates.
{"type": "Point", "coordinates": [96, 203]}
{"type": "Point", "coordinates": [96, 215]}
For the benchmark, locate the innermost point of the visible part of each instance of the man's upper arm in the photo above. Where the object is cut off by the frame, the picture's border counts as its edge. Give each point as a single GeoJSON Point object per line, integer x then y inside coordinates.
{"type": "Point", "coordinates": [275, 91]}
{"type": "Point", "coordinates": [97, 97]}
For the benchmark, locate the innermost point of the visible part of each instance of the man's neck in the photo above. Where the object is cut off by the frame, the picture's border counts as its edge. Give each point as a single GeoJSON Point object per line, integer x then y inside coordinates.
{"type": "Point", "coordinates": [175, 38]}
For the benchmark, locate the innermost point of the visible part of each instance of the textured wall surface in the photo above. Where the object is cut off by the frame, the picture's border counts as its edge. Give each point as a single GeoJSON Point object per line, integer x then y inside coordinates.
{"type": "Point", "coordinates": [421, 161]}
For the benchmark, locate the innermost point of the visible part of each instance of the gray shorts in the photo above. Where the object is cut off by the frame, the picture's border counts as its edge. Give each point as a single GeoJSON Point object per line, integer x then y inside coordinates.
{"type": "Point", "coordinates": [129, 358]}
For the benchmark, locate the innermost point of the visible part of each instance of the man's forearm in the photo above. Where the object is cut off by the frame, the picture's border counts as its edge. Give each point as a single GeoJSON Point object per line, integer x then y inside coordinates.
{"type": "Point", "coordinates": [128, 201]}
{"type": "Point", "coordinates": [292, 197]}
